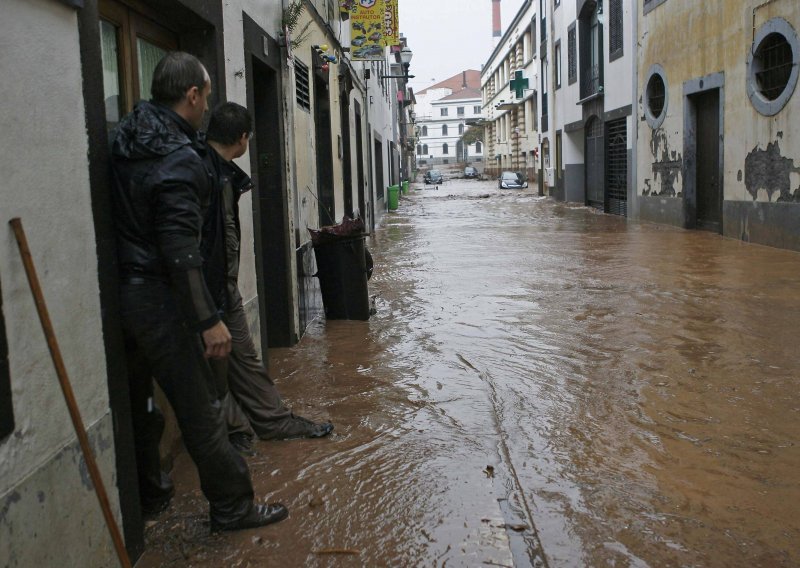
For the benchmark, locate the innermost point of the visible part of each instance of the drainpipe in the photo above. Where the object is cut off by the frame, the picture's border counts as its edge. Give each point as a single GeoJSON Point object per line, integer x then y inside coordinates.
{"type": "Point", "coordinates": [633, 194]}
{"type": "Point", "coordinates": [289, 142]}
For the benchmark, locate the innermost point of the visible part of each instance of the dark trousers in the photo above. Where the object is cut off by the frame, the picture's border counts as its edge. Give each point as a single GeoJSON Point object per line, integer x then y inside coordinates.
{"type": "Point", "coordinates": [174, 356]}
{"type": "Point", "coordinates": [249, 385]}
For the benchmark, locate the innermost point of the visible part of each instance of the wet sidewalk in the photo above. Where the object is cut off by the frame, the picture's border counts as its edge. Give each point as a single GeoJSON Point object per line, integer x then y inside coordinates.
{"type": "Point", "coordinates": [542, 385]}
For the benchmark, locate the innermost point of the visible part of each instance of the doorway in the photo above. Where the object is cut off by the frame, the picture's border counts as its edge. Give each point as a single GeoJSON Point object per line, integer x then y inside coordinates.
{"type": "Point", "coordinates": [344, 109]}
{"type": "Point", "coordinates": [270, 208]}
{"type": "Point", "coordinates": [322, 134]}
{"type": "Point", "coordinates": [362, 204]}
{"type": "Point", "coordinates": [595, 163]}
{"type": "Point", "coordinates": [379, 180]}
{"type": "Point", "coordinates": [708, 192]}
{"type": "Point", "coordinates": [703, 178]}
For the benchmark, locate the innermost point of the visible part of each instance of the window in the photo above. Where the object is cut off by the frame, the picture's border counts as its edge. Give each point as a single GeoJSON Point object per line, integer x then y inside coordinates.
{"type": "Point", "coordinates": [544, 95]}
{"type": "Point", "coordinates": [478, 147]}
{"type": "Point", "coordinates": [442, 112]}
{"type": "Point", "coordinates": [557, 58]}
{"type": "Point", "coordinates": [445, 148]}
{"type": "Point", "coordinates": [533, 37]}
{"type": "Point", "coordinates": [419, 149]}
{"type": "Point", "coordinates": [424, 148]}
{"type": "Point", "coordinates": [130, 47]}
{"type": "Point", "coordinates": [476, 109]}
{"type": "Point", "coordinates": [616, 33]}
{"type": "Point", "coordinates": [424, 130]}
{"type": "Point", "coordinates": [556, 3]}
{"type": "Point", "coordinates": [572, 55]}
{"type": "Point", "coordinates": [301, 83]}
{"type": "Point", "coordinates": [772, 66]}
{"type": "Point", "coordinates": [6, 406]}
{"type": "Point", "coordinates": [591, 56]}
{"type": "Point", "coordinates": [543, 22]}
{"type": "Point", "coordinates": [461, 129]}
{"type": "Point", "coordinates": [460, 111]}
{"type": "Point", "coordinates": [655, 97]}
{"type": "Point", "coordinates": [444, 130]}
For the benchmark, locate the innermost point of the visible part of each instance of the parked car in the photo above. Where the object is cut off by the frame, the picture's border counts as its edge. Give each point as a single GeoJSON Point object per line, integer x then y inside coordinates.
{"type": "Point", "coordinates": [433, 177]}
{"type": "Point", "coordinates": [511, 180]}
{"type": "Point", "coordinates": [470, 172]}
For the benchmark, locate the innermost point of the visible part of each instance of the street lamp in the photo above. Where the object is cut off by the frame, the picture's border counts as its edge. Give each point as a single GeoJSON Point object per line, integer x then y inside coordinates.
{"type": "Point", "coordinates": [405, 58]}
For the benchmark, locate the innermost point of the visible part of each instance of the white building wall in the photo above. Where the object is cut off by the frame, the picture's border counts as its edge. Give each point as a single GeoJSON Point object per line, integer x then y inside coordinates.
{"type": "Point", "coordinates": [50, 514]}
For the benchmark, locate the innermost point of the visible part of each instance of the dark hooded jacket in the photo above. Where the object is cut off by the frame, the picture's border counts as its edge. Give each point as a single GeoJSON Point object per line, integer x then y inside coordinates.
{"type": "Point", "coordinates": [161, 191]}
{"type": "Point", "coordinates": [221, 229]}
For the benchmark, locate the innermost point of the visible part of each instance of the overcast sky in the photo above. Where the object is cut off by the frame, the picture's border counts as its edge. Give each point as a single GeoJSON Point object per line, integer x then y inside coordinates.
{"type": "Point", "coordinates": [448, 36]}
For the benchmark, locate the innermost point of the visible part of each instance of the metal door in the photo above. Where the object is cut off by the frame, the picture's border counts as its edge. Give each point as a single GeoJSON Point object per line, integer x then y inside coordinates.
{"type": "Point", "coordinates": [617, 167]}
{"type": "Point", "coordinates": [709, 194]}
{"type": "Point", "coordinates": [595, 162]}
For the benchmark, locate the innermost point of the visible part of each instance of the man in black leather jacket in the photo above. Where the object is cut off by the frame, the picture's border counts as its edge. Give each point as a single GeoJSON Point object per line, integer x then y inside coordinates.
{"type": "Point", "coordinates": [161, 190]}
{"type": "Point", "coordinates": [250, 399]}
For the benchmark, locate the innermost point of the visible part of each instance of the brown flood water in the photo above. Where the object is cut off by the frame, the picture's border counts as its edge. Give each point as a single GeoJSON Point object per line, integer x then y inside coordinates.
{"type": "Point", "coordinates": [542, 385]}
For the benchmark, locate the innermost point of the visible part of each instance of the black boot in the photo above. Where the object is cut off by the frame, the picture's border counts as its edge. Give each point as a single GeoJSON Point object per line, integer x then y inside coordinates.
{"type": "Point", "coordinates": [259, 516]}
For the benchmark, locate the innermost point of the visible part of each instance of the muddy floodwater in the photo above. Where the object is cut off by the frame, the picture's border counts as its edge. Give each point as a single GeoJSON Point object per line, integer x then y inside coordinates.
{"type": "Point", "coordinates": [542, 385]}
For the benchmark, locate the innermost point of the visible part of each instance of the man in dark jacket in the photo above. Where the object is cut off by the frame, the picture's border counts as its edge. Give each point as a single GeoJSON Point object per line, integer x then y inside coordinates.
{"type": "Point", "coordinates": [161, 190]}
{"type": "Point", "coordinates": [243, 372]}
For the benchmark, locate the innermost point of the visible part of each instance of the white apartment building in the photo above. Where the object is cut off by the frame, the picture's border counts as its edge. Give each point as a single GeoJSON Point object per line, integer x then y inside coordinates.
{"type": "Point", "coordinates": [550, 110]}
{"type": "Point", "coordinates": [444, 112]}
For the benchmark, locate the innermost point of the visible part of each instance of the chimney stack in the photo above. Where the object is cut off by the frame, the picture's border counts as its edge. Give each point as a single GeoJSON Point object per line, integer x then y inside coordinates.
{"type": "Point", "coordinates": [497, 28]}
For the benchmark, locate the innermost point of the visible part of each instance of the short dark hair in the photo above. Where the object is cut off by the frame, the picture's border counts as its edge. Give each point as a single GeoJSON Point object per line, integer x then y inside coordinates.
{"type": "Point", "coordinates": [228, 122]}
{"type": "Point", "coordinates": [176, 73]}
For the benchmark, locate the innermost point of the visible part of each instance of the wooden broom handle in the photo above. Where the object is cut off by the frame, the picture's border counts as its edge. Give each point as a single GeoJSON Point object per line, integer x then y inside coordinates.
{"type": "Point", "coordinates": [66, 388]}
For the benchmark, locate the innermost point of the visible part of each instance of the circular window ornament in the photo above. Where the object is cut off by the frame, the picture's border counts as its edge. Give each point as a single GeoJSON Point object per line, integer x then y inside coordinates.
{"type": "Point", "coordinates": [656, 96]}
{"type": "Point", "coordinates": [772, 66]}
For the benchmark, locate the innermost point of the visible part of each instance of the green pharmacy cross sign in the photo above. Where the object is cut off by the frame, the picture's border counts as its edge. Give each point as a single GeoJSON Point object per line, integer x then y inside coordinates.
{"type": "Point", "coordinates": [518, 84]}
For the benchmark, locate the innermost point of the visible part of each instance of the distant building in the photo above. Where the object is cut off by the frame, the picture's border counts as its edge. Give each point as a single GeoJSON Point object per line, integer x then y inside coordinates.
{"type": "Point", "coordinates": [553, 110]}
{"type": "Point", "coordinates": [444, 112]}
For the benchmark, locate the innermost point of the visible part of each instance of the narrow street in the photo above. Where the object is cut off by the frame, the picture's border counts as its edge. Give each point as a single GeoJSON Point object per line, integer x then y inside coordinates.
{"type": "Point", "coordinates": [542, 385]}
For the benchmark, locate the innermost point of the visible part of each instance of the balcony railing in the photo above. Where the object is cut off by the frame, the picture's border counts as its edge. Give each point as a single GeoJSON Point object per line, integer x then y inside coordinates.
{"type": "Point", "coordinates": [590, 81]}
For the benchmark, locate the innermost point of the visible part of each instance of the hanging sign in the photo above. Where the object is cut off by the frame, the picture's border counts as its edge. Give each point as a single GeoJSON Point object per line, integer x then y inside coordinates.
{"type": "Point", "coordinates": [367, 30]}
{"type": "Point", "coordinates": [391, 21]}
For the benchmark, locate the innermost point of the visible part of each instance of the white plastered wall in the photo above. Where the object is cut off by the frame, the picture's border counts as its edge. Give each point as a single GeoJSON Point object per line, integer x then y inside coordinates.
{"type": "Point", "coordinates": [44, 490]}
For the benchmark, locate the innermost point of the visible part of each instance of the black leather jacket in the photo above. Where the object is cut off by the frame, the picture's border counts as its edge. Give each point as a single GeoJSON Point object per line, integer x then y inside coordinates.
{"type": "Point", "coordinates": [161, 192]}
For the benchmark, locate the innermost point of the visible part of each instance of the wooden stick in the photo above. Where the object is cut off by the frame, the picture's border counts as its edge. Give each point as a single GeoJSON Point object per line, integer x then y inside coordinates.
{"type": "Point", "coordinates": [66, 388]}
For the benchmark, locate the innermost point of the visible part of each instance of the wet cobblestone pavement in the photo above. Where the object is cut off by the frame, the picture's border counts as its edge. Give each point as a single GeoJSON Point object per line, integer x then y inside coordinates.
{"type": "Point", "coordinates": [542, 385]}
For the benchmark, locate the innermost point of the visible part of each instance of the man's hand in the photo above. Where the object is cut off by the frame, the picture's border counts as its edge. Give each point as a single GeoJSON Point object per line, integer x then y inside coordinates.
{"type": "Point", "coordinates": [217, 340]}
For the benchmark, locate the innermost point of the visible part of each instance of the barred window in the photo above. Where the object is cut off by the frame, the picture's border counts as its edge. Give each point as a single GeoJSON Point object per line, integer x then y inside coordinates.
{"type": "Point", "coordinates": [772, 66]}
{"type": "Point", "coordinates": [301, 84]}
{"type": "Point", "coordinates": [572, 55]}
{"type": "Point", "coordinates": [615, 24]}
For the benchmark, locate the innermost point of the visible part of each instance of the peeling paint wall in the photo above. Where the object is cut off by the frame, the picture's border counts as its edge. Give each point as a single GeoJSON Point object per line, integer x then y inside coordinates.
{"type": "Point", "coordinates": [666, 166]}
{"type": "Point", "coordinates": [761, 154]}
{"type": "Point", "coordinates": [769, 172]}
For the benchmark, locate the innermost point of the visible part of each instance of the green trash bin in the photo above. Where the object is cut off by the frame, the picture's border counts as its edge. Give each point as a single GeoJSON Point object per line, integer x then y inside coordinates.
{"type": "Point", "coordinates": [394, 197]}
{"type": "Point", "coordinates": [405, 187]}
